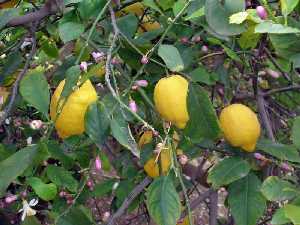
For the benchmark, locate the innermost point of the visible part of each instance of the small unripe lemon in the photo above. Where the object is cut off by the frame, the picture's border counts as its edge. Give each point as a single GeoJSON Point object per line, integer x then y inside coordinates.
{"type": "Point", "coordinates": [151, 167]}
{"type": "Point", "coordinates": [71, 120]}
{"type": "Point", "coordinates": [240, 126]}
{"type": "Point", "coordinates": [170, 96]}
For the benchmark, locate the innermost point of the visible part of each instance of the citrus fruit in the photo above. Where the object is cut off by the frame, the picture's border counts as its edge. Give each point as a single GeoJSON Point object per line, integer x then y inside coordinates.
{"type": "Point", "coordinates": [240, 126]}
{"type": "Point", "coordinates": [151, 167]}
{"type": "Point", "coordinates": [170, 96]}
{"type": "Point", "coordinates": [71, 120]}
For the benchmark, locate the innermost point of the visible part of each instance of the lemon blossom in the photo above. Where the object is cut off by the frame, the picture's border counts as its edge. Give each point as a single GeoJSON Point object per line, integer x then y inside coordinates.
{"type": "Point", "coordinates": [27, 210]}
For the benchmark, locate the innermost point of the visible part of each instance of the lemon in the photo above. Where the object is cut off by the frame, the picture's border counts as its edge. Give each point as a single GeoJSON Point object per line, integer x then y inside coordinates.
{"type": "Point", "coordinates": [240, 126]}
{"type": "Point", "coordinates": [151, 167]}
{"type": "Point", "coordinates": [170, 96]}
{"type": "Point", "coordinates": [71, 120]}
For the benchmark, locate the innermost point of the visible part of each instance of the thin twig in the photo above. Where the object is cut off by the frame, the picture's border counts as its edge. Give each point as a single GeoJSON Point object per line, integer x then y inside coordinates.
{"type": "Point", "coordinates": [283, 89]}
{"type": "Point", "coordinates": [15, 89]}
{"type": "Point", "coordinates": [133, 194]}
{"type": "Point", "coordinates": [213, 208]}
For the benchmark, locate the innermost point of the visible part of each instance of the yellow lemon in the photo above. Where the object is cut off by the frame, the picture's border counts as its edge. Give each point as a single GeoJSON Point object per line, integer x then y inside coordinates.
{"type": "Point", "coordinates": [71, 120]}
{"type": "Point", "coordinates": [240, 126]}
{"type": "Point", "coordinates": [151, 167]}
{"type": "Point", "coordinates": [170, 96]}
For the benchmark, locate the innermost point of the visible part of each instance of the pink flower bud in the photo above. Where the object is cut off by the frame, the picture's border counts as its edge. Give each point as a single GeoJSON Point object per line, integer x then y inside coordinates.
{"type": "Point", "coordinates": [106, 216]}
{"type": "Point", "coordinates": [134, 87]}
{"type": "Point", "coordinates": [115, 61]}
{"type": "Point", "coordinates": [62, 194]}
{"type": "Point", "coordinates": [133, 106]}
{"type": "Point", "coordinates": [144, 60]}
{"type": "Point", "coordinates": [196, 39]}
{"type": "Point", "coordinates": [183, 159]}
{"type": "Point", "coordinates": [10, 199]}
{"type": "Point", "coordinates": [90, 183]}
{"type": "Point", "coordinates": [70, 201]}
{"type": "Point", "coordinates": [36, 124]}
{"type": "Point", "coordinates": [258, 156]}
{"type": "Point", "coordinates": [23, 194]}
{"type": "Point", "coordinates": [273, 73]}
{"type": "Point", "coordinates": [98, 56]}
{"type": "Point", "coordinates": [184, 40]}
{"type": "Point", "coordinates": [286, 167]}
{"type": "Point", "coordinates": [83, 66]}
{"type": "Point", "coordinates": [141, 83]}
{"type": "Point", "coordinates": [204, 49]}
{"type": "Point", "coordinates": [98, 165]}
{"type": "Point", "coordinates": [261, 12]}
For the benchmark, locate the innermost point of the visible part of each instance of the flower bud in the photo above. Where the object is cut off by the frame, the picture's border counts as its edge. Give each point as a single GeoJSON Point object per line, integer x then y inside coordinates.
{"type": "Point", "coordinates": [98, 165]}
{"type": "Point", "coordinates": [184, 40]}
{"type": "Point", "coordinates": [144, 60]}
{"type": "Point", "coordinates": [83, 66]}
{"type": "Point", "coordinates": [286, 167]}
{"type": "Point", "coordinates": [183, 159]}
{"type": "Point", "coordinates": [105, 216]}
{"type": "Point", "coordinates": [134, 87]}
{"type": "Point", "coordinates": [273, 73]}
{"type": "Point", "coordinates": [90, 183]}
{"type": "Point", "coordinates": [133, 106]}
{"type": "Point", "coordinates": [10, 199]}
{"type": "Point", "coordinates": [98, 56]}
{"type": "Point", "coordinates": [36, 124]}
{"type": "Point", "coordinates": [62, 194]}
{"type": "Point", "coordinates": [115, 61]}
{"type": "Point", "coordinates": [204, 49]}
{"type": "Point", "coordinates": [261, 12]}
{"type": "Point", "coordinates": [259, 156]}
{"type": "Point", "coordinates": [141, 83]}
{"type": "Point", "coordinates": [29, 140]}
{"type": "Point", "coordinates": [196, 39]}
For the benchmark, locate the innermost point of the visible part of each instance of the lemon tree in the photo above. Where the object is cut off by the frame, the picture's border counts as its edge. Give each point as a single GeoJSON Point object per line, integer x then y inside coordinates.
{"type": "Point", "coordinates": [120, 111]}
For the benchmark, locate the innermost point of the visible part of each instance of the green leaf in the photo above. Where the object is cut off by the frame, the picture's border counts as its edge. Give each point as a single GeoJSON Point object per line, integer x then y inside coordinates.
{"type": "Point", "coordinates": [90, 8]}
{"type": "Point", "coordinates": [171, 57]}
{"type": "Point", "coordinates": [292, 213]}
{"type": "Point", "coordinates": [249, 39]}
{"type": "Point", "coordinates": [31, 220]}
{"type": "Point", "coordinates": [97, 123]}
{"type": "Point", "coordinates": [103, 188]}
{"type": "Point", "coordinates": [72, 77]}
{"type": "Point", "coordinates": [163, 201]}
{"type": "Point", "coordinates": [280, 151]}
{"type": "Point", "coordinates": [227, 171]}
{"type": "Point", "coordinates": [217, 15]}
{"type": "Point", "coordinates": [46, 192]}
{"type": "Point", "coordinates": [198, 13]}
{"type": "Point", "coordinates": [274, 28]}
{"type": "Point", "coordinates": [34, 89]}
{"type": "Point", "coordinates": [280, 218]}
{"type": "Point", "coordinates": [201, 125]}
{"type": "Point", "coordinates": [275, 189]}
{"type": "Point", "coordinates": [62, 178]}
{"type": "Point", "coordinates": [287, 6]}
{"type": "Point", "coordinates": [238, 18]}
{"type": "Point", "coordinates": [69, 31]}
{"type": "Point", "coordinates": [6, 15]}
{"type": "Point", "coordinates": [49, 47]}
{"type": "Point", "coordinates": [15, 165]}
{"type": "Point", "coordinates": [128, 25]}
{"type": "Point", "coordinates": [75, 216]}
{"type": "Point", "coordinates": [202, 75]}
{"type": "Point", "coordinates": [296, 132]}
{"type": "Point", "coordinates": [245, 200]}
{"type": "Point", "coordinates": [121, 131]}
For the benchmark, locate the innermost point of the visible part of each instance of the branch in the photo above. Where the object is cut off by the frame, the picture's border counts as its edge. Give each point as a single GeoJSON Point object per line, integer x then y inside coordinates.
{"type": "Point", "coordinates": [283, 89]}
{"type": "Point", "coordinates": [50, 7]}
{"type": "Point", "coordinates": [213, 208]}
{"type": "Point", "coordinates": [15, 89]}
{"type": "Point", "coordinates": [133, 194]}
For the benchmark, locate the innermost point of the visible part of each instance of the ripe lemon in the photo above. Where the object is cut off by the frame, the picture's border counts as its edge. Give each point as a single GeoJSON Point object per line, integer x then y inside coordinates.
{"type": "Point", "coordinates": [71, 120]}
{"type": "Point", "coordinates": [240, 126]}
{"type": "Point", "coordinates": [151, 167]}
{"type": "Point", "coordinates": [170, 96]}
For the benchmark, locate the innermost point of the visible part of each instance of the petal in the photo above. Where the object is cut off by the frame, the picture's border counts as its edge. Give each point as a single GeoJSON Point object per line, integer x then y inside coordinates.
{"type": "Point", "coordinates": [33, 202]}
{"type": "Point", "coordinates": [23, 215]}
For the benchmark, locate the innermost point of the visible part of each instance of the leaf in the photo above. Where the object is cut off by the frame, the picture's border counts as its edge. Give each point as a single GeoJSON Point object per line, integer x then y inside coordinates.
{"type": "Point", "coordinates": [287, 6]}
{"type": "Point", "coordinates": [204, 124]}
{"type": "Point", "coordinates": [11, 167]}
{"type": "Point", "coordinates": [280, 151]}
{"type": "Point", "coordinates": [69, 31]}
{"type": "Point", "coordinates": [217, 15]}
{"type": "Point", "coordinates": [245, 200]}
{"type": "Point", "coordinates": [6, 15]}
{"type": "Point", "coordinates": [198, 13]}
{"type": "Point", "coordinates": [62, 178]}
{"type": "Point", "coordinates": [31, 220]}
{"type": "Point", "coordinates": [171, 57]}
{"type": "Point", "coordinates": [274, 28]}
{"type": "Point", "coordinates": [275, 189]}
{"type": "Point", "coordinates": [97, 123]}
{"type": "Point", "coordinates": [163, 201]}
{"type": "Point", "coordinates": [249, 39]}
{"type": "Point", "coordinates": [121, 131]}
{"type": "Point", "coordinates": [90, 8]}
{"type": "Point", "coordinates": [75, 216]}
{"type": "Point", "coordinates": [296, 132]}
{"type": "Point", "coordinates": [34, 89]}
{"type": "Point", "coordinates": [238, 18]}
{"type": "Point", "coordinates": [128, 25]}
{"type": "Point", "coordinates": [292, 213]}
{"type": "Point", "coordinates": [202, 75]}
{"type": "Point", "coordinates": [72, 77]}
{"type": "Point", "coordinates": [279, 217]}
{"type": "Point", "coordinates": [46, 192]}
{"type": "Point", "coordinates": [227, 171]}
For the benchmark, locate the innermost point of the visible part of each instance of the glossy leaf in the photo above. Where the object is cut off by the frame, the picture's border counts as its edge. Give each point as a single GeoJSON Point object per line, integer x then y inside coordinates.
{"type": "Point", "coordinates": [296, 132]}
{"type": "Point", "coordinates": [46, 192]}
{"type": "Point", "coordinates": [171, 57]}
{"type": "Point", "coordinates": [246, 201]}
{"type": "Point", "coordinates": [287, 6]}
{"type": "Point", "coordinates": [275, 28]}
{"type": "Point", "coordinates": [275, 189]}
{"type": "Point", "coordinates": [279, 217]}
{"type": "Point", "coordinates": [163, 201]}
{"type": "Point", "coordinates": [71, 30]}
{"type": "Point", "coordinates": [292, 213]}
{"type": "Point", "coordinates": [6, 15]}
{"type": "Point", "coordinates": [34, 89]}
{"type": "Point", "coordinates": [201, 125]}
{"type": "Point", "coordinates": [15, 165]}
{"type": "Point", "coordinates": [227, 171]}
{"type": "Point", "coordinates": [97, 123]}
{"type": "Point", "coordinates": [62, 178]}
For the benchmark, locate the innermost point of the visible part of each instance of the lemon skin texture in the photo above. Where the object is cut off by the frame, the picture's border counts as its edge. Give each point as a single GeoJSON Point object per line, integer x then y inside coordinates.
{"type": "Point", "coordinates": [151, 167]}
{"type": "Point", "coordinates": [71, 120]}
{"type": "Point", "coordinates": [170, 96]}
{"type": "Point", "coordinates": [240, 126]}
